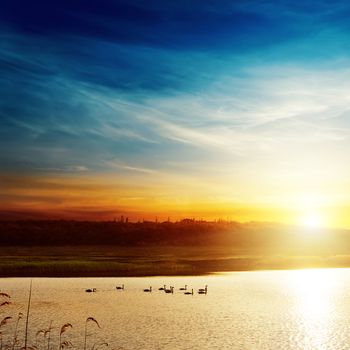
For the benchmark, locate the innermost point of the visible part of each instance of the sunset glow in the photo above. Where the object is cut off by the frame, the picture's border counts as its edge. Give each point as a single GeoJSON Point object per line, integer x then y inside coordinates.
{"type": "Point", "coordinates": [199, 124]}
{"type": "Point", "coordinates": [313, 221]}
{"type": "Point", "coordinates": [174, 174]}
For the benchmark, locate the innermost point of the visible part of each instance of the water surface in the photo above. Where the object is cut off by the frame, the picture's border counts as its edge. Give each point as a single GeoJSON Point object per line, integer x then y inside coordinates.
{"type": "Point", "coordinates": [301, 309]}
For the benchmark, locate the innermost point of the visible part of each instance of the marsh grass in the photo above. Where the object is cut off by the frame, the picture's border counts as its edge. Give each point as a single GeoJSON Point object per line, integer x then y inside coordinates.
{"type": "Point", "coordinates": [103, 261]}
{"type": "Point", "coordinates": [6, 319]}
{"type": "Point", "coordinates": [27, 316]}
{"type": "Point", "coordinates": [89, 319]}
{"type": "Point", "coordinates": [15, 338]}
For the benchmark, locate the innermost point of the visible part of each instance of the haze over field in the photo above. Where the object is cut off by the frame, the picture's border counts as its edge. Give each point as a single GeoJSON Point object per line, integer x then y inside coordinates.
{"type": "Point", "coordinates": [231, 109]}
{"type": "Point", "coordinates": [188, 247]}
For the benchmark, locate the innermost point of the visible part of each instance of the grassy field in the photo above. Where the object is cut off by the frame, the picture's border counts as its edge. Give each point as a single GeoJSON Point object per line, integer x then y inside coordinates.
{"type": "Point", "coordinates": [147, 261]}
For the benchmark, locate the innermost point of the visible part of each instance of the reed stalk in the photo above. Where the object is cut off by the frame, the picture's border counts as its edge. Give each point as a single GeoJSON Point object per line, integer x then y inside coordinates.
{"type": "Point", "coordinates": [15, 333]}
{"type": "Point", "coordinates": [27, 318]}
{"type": "Point", "coordinates": [96, 345]}
{"type": "Point", "coordinates": [89, 319]}
{"type": "Point", "coordinates": [63, 329]}
{"type": "Point", "coordinates": [49, 338]}
{"type": "Point", "coordinates": [85, 334]}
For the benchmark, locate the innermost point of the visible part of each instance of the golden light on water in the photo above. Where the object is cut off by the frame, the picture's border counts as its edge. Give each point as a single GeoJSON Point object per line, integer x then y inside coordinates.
{"type": "Point", "coordinates": [315, 291]}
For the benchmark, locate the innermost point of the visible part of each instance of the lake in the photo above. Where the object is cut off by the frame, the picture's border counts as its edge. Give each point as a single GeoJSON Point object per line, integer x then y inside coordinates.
{"type": "Point", "coordinates": [296, 309]}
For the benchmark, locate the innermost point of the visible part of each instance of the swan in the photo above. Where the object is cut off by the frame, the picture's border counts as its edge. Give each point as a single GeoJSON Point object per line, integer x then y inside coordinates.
{"type": "Point", "coordinates": [120, 287]}
{"type": "Point", "coordinates": [184, 288]}
{"type": "Point", "coordinates": [203, 290]}
{"type": "Point", "coordinates": [148, 290]}
{"type": "Point", "coordinates": [162, 288]}
{"type": "Point", "coordinates": [188, 293]}
{"type": "Point", "coordinates": [90, 290]}
{"type": "Point", "coordinates": [171, 290]}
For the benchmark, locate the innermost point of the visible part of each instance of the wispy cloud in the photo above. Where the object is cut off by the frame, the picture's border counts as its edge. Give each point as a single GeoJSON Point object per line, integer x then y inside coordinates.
{"type": "Point", "coordinates": [241, 102]}
{"type": "Point", "coordinates": [122, 166]}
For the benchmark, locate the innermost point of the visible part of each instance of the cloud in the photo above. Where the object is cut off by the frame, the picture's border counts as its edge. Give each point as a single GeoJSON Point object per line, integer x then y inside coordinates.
{"type": "Point", "coordinates": [128, 167]}
{"type": "Point", "coordinates": [232, 100]}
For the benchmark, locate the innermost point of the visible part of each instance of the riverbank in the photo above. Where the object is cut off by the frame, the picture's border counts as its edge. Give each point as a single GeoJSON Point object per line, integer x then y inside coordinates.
{"type": "Point", "coordinates": [104, 261]}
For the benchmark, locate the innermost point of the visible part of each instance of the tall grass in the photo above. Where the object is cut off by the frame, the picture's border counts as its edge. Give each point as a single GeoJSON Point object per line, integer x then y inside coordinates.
{"type": "Point", "coordinates": [27, 317]}
{"type": "Point", "coordinates": [13, 342]}
{"type": "Point", "coordinates": [64, 328]}
{"type": "Point", "coordinates": [6, 318]}
{"type": "Point", "coordinates": [89, 319]}
{"type": "Point", "coordinates": [48, 332]}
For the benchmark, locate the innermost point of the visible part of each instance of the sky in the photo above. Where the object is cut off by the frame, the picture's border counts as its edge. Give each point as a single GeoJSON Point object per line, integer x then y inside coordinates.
{"type": "Point", "coordinates": [208, 109]}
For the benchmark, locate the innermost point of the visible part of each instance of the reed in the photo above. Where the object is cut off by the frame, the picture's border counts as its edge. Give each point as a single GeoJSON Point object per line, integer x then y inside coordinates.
{"type": "Point", "coordinates": [64, 328]}
{"type": "Point", "coordinates": [63, 344]}
{"type": "Point", "coordinates": [2, 324]}
{"type": "Point", "coordinates": [15, 340]}
{"type": "Point", "coordinates": [5, 303]}
{"type": "Point", "coordinates": [27, 317]}
{"type": "Point", "coordinates": [48, 332]}
{"type": "Point", "coordinates": [96, 345]}
{"type": "Point", "coordinates": [7, 318]}
{"type": "Point", "coordinates": [66, 344]}
{"type": "Point", "coordinates": [89, 319]}
{"type": "Point", "coordinates": [39, 332]}
{"type": "Point", "coordinates": [5, 321]}
{"type": "Point", "coordinates": [5, 295]}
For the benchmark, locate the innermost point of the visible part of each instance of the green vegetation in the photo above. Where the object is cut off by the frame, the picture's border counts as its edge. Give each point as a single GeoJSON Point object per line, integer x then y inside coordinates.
{"type": "Point", "coordinates": [72, 248]}
{"type": "Point", "coordinates": [147, 261]}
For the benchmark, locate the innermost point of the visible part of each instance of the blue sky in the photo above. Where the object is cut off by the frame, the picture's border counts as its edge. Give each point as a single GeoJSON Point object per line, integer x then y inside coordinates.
{"type": "Point", "coordinates": [199, 91]}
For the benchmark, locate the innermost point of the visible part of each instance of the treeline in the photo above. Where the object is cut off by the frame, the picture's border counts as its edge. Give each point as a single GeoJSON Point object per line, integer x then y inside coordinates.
{"type": "Point", "coordinates": [249, 238]}
{"type": "Point", "coordinates": [61, 232]}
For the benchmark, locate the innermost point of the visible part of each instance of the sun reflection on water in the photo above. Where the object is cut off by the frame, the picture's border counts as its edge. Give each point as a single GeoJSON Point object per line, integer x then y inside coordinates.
{"type": "Point", "coordinates": [315, 292]}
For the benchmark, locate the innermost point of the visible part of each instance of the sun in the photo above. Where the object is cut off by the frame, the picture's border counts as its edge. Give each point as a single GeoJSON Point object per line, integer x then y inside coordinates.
{"type": "Point", "coordinates": [312, 221]}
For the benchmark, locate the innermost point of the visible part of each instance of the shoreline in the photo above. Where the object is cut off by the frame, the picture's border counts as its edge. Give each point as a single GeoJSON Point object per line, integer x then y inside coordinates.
{"type": "Point", "coordinates": [120, 275]}
{"type": "Point", "coordinates": [114, 261]}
